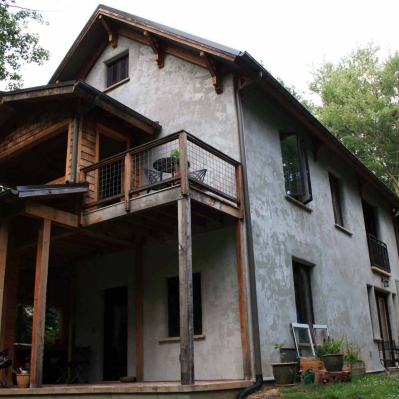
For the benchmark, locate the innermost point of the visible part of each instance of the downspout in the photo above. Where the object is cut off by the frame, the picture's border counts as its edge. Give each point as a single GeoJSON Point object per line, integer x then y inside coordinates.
{"type": "Point", "coordinates": [75, 139]}
{"type": "Point", "coordinates": [250, 247]}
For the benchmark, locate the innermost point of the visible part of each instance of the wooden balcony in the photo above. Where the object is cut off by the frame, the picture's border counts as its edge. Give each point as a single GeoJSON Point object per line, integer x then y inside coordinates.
{"type": "Point", "coordinates": [159, 173]}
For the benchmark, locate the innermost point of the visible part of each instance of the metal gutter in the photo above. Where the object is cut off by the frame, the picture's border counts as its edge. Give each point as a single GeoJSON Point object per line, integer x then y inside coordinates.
{"type": "Point", "coordinates": [250, 246]}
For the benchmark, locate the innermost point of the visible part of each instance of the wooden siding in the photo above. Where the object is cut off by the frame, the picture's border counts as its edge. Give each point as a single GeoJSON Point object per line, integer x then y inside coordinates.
{"type": "Point", "coordinates": [32, 131]}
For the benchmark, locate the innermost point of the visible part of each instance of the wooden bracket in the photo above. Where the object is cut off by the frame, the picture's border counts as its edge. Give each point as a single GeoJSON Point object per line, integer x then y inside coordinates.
{"type": "Point", "coordinates": [156, 48]}
{"type": "Point", "coordinates": [317, 144]}
{"type": "Point", "coordinates": [112, 36]}
{"type": "Point", "coordinates": [216, 80]}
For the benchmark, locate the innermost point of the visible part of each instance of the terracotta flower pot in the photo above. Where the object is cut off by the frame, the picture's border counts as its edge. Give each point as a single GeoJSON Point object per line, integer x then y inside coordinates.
{"type": "Point", "coordinates": [285, 373]}
{"type": "Point", "coordinates": [23, 380]}
{"type": "Point", "coordinates": [333, 362]}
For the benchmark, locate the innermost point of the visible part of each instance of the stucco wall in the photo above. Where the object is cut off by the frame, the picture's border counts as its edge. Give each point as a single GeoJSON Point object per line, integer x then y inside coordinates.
{"type": "Point", "coordinates": [218, 356]}
{"type": "Point", "coordinates": [284, 232]}
{"type": "Point", "coordinates": [178, 96]}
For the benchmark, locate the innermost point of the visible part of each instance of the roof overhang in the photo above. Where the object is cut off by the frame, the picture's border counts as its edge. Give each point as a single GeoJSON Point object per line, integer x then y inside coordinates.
{"type": "Point", "coordinates": [80, 90]}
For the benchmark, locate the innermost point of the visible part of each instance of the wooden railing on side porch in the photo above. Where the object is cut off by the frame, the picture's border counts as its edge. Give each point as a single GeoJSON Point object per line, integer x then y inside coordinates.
{"type": "Point", "coordinates": [178, 159]}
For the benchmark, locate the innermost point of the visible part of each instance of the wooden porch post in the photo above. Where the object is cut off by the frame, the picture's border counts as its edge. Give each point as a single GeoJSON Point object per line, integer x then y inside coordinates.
{"type": "Point", "coordinates": [139, 314]}
{"type": "Point", "coordinates": [4, 227]}
{"type": "Point", "coordinates": [39, 304]}
{"type": "Point", "coordinates": [242, 301]}
{"type": "Point", "coordinates": [186, 292]}
{"type": "Point", "coordinates": [72, 315]}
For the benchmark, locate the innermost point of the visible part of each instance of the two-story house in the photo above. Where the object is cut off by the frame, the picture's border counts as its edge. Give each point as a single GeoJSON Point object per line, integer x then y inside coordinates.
{"type": "Point", "coordinates": [178, 210]}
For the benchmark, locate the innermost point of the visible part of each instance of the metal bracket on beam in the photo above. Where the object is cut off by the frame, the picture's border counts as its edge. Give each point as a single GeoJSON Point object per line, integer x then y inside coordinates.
{"type": "Point", "coordinates": [112, 36]}
{"type": "Point", "coordinates": [211, 66]}
{"type": "Point", "coordinates": [156, 48]}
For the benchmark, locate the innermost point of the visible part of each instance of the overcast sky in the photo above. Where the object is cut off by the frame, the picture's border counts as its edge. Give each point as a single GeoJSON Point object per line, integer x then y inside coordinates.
{"type": "Point", "coordinates": [289, 36]}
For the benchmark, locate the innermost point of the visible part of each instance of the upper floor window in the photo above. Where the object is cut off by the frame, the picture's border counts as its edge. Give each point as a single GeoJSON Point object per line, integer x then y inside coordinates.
{"type": "Point", "coordinates": [296, 167]}
{"type": "Point", "coordinates": [117, 69]}
{"type": "Point", "coordinates": [336, 199]}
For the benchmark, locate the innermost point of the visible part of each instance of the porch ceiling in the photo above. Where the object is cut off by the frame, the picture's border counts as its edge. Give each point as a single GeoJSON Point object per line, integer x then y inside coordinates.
{"type": "Point", "coordinates": [149, 227]}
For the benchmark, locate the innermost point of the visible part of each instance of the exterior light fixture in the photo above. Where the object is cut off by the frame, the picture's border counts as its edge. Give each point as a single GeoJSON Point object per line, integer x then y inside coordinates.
{"type": "Point", "coordinates": [385, 281]}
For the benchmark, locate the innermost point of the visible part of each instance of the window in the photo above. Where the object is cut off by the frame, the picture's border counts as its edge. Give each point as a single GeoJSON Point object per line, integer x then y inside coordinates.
{"type": "Point", "coordinates": [117, 69]}
{"type": "Point", "coordinates": [378, 250]}
{"type": "Point", "coordinates": [295, 167]}
{"type": "Point", "coordinates": [174, 307]}
{"type": "Point", "coordinates": [336, 200]}
{"type": "Point", "coordinates": [303, 293]}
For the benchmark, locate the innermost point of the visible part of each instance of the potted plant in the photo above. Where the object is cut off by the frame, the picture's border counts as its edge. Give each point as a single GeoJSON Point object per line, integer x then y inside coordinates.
{"type": "Point", "coordinates": [352, 362]}
{"type": "Point", "coordinates": [175, 155]}
{"type": "Point", "coordinates": [284, 372]}
{"type": "Point", "coordinates": [330, 352]}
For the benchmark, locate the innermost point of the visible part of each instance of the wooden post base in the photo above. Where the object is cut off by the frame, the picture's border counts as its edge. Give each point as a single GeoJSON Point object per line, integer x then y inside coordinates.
{"type": "Point", "coordinates": [327, 377]}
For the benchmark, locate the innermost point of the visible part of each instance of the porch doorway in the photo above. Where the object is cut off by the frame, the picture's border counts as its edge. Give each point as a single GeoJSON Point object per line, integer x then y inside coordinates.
{"type": "Point", "coordinates": [115, 333]}
{"type": "Point", "coordinates": [383, 316]}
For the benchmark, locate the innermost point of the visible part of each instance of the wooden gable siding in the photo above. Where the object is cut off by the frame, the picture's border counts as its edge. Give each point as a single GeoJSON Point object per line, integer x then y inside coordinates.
{"type": "Point", "coordinates": [32, 131]}
{"type": "Point", "coordinates": [89, 153]}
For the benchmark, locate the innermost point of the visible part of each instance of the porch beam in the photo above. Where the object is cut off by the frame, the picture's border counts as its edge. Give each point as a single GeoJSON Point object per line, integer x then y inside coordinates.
{"type": "Point", "coordinates": [63, 218]}
{"type": "Point", "coordinates": [39, 304]}
{"type": "Point", "coordinates": [186, 293]}
{"type": "Point", "coordinates": [139, 314]}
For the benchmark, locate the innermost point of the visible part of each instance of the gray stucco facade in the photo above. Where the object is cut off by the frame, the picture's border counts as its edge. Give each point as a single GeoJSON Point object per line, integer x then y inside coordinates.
{"type": "Point", "coordinates": [181, 96]}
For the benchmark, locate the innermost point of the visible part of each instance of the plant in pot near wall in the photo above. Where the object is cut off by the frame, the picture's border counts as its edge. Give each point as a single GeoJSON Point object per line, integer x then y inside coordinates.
{"type": "Point", "coordinates": [330, 352]}
{"type": "Point", "coordinates": [284, 373]}
{"type": "Point", "coordinates": [352, 360]}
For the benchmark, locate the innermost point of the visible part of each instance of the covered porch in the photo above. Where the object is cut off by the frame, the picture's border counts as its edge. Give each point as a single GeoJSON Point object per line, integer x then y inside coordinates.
{"type": "Point", "coordinates": [125, 219]}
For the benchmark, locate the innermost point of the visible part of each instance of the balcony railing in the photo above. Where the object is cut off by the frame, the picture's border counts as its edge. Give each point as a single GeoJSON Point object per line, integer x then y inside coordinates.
{"type": "Point", "coordinates": [378, 253]}
{"type": "Point", "coordinates": [161, 164]}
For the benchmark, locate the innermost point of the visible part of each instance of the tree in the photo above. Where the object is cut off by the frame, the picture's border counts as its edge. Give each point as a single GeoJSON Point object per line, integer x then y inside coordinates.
{"type": "Point", "coordinates": [360, 106]}
{"type": "Point", "coordinates": [17, 45]}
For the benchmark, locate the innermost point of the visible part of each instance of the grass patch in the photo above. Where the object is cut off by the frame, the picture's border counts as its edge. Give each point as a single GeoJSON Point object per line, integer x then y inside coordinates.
{"type": "Point", "coordinates": [373, 386]}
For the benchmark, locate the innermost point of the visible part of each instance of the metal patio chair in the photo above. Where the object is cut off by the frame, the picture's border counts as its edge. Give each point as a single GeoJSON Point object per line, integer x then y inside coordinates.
{"type": "Point", "coordinates": [75, 368]}
{"type": "Point", "coordinates": [389, 354]}
{"type": "Point", "coordinates": [6, 365]}
{"type": "Point", "coordinates": [153, 177]}
{"type": "Point", "coordinates": [198, 175]}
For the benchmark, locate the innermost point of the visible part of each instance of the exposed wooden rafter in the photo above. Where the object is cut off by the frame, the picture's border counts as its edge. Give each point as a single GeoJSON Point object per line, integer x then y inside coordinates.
{"type": "Point", "coordinates": [212, 68]}
{"type": "Point", "coordinates": [112, 35]}
{"type": "Point", "coordinates": [156, 48]}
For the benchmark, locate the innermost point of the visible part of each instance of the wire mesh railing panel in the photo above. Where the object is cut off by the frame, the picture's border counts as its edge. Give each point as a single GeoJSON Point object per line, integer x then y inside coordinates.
{"type": "Point", "coordinates": [152, 166]}
{"type": "Point", "coordinates": [110, 179]}
{"type": "Point", "coordinates": [212, 169]}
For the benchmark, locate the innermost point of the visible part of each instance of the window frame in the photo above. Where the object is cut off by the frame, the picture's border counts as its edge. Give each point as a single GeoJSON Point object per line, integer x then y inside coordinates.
{"type": "Point", "coordinates": [306, 195]}
{"type": "Point", "coordinates": [304, 300]}
{"type": "Point", "coordinates": [336, 197]}
{"type": "Point", "coordinates": [174, 305]}
{"type": "Point", "coordinates": [121, 74]}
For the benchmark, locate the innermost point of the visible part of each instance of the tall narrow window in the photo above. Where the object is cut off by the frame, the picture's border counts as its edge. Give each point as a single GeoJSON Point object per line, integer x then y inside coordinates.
{"type": "Point", "coordinates": [117, 70]}
{"type": "Point", "coordinates": [303, 293]}
{"type": "Point", "coordinates": [336, 199]}
{"type": "Point", "coordinates": [295, 167]}
{"type": "Point", "coordinates": [174, 307]}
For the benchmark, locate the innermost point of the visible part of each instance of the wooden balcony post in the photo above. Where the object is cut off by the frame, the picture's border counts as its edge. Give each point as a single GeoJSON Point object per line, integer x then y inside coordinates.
{"type": "Point", "coordinates": [4, 228]}
{"type": "Point", "coordinates": [127, 180]}
{"type": "Point", "coordinates": [183, 163]}
{"type": "Point", "coordinates": [139, 314]}
{"type": "Point", "coordinates": [186, 293]}
{"type": "Point", "coordinates": [39, 304]}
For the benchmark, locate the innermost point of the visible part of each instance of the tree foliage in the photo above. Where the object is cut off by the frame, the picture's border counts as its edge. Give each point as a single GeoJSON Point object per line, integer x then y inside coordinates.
{"type": "Point", "coordinates": [360, 106]}
{"type": "Point", "coordinates": [17, 44]}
